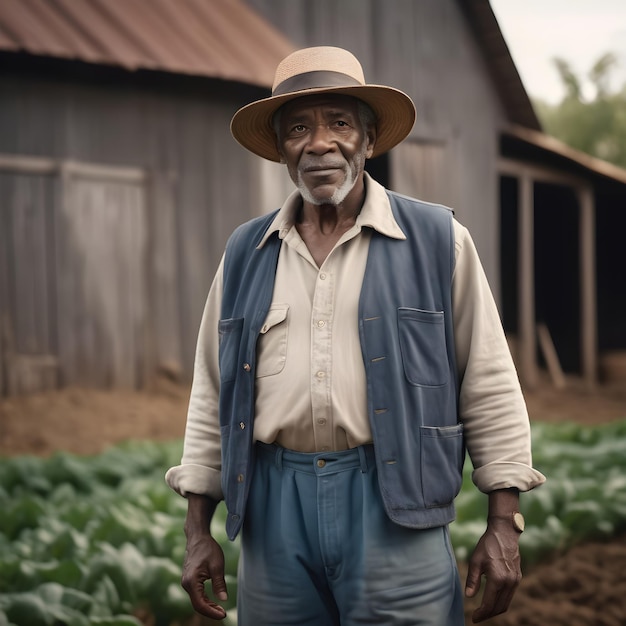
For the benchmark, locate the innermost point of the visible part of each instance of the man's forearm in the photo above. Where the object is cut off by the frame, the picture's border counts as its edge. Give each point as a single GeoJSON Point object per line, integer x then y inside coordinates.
{"type": "Point", "coordinates": [200, 511]}
{"type": "Point", "coordinates": [503, 503]}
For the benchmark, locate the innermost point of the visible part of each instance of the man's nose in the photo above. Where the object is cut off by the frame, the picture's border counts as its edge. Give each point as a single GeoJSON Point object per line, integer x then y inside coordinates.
{"type": "Point", "coordinates": [321, 138]}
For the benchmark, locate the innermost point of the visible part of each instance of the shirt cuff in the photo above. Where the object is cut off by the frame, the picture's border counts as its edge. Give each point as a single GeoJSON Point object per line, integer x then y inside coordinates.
{"type": "Point", "coordinates": [198, 479]}
{"type": "Point", "coordinates": [506, 475]}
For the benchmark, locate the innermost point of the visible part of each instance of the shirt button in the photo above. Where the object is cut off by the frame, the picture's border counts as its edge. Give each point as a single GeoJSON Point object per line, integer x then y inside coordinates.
{"type": "Point", "coordinates": [240, 478]}
{"type": "Point", "coordinates": [265, 328]}
{"type": "Point", "coordinates": [321, 463]}
{"type": "Point", "coordinates": [322, 276]}
{"type": "Point", "coordinates": [321, 324]}
{"type": "Point", "coordinates": [321, 374]}
{"type": "Point", "coordinates": [246, 367]}
{"type": "Point", "coordinates": [321, 421]}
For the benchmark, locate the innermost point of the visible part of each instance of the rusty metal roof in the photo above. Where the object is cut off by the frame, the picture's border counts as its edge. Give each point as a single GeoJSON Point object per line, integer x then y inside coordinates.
{"type": "Point", "coordinates": [217, 38]}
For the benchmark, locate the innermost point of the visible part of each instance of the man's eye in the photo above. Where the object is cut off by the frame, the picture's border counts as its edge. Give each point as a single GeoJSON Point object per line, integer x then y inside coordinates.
{"type": "Point", "coordinates": [298, 128]}
{"type": "Point", "coordinates": [341, 123]}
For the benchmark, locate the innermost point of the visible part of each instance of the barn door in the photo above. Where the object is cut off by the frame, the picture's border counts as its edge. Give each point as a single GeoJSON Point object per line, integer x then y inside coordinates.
{"type": "Point", "coordinates": [422, 170]}
{"type": "Point", "coordinates": [101, 277]}
{"type": "Point", "coordinates": [27, 283]}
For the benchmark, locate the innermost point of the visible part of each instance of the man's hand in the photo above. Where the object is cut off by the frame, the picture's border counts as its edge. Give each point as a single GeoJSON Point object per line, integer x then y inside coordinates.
{"type": "Point", "coordinates": [204, 559]}
{"type": "Point", "coordinates": [497, 558]}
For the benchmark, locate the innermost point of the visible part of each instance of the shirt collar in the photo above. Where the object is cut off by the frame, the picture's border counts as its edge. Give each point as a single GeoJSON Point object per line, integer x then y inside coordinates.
{"type": "Point", "coordinates": [375, 213]}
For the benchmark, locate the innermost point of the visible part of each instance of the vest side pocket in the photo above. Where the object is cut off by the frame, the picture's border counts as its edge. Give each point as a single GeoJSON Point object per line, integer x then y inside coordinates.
{"type": "Point", "coordinates": [423, 347]}
{"type": "Point", "coordinates": [442, 464]}
{"type": "Point", "coordinates": [230, 331]}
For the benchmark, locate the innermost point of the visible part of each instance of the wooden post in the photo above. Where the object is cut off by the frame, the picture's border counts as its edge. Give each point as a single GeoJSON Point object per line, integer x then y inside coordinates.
{"type": "Point", "coordinates": [526, 283]}
{"type": "Point", "coordinates": [588, 307]}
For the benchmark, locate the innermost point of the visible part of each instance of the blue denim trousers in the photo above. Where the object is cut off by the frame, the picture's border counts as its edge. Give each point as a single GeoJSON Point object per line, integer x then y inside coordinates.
{"type": "Point", "coordinates": [318, 549]}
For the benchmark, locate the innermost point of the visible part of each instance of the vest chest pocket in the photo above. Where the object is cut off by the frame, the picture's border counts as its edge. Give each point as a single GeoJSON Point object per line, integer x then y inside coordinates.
{"type": "Point", "coordinates": [423, 347]}
{"type": "Point", "coordinates": [271, 349]}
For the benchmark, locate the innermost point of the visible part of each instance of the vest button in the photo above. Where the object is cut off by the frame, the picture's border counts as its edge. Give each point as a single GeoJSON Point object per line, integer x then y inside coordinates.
{"type": "Point", "coordinates": [242, 426]}
{"type": "Point", "coordinates": [321, 463]}
{"type": "Point", "coordinates": [240, 478]}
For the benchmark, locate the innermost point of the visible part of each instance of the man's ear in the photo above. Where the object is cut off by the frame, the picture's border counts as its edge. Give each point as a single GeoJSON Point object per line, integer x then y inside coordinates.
{"type": "Point", "coordinates": [372, 134]}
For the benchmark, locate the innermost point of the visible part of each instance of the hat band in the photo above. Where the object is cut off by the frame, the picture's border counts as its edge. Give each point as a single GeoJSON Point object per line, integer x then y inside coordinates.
{"type": "Point", "coordinates": [314, 80]}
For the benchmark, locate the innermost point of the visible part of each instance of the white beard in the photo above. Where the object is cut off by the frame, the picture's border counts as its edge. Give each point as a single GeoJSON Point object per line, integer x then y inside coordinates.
{"type": "Point", "coordinates": [341, 193]}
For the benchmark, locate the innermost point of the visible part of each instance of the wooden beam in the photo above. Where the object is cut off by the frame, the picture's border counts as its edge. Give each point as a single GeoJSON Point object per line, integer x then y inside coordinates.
{"type": "Point", "coordinates": [588, 296]}
{"type": "Point", "coordinates": [550, 355]}
{"type": "Point", "coordinates": [526, 283]}
{"type": "Point", "coordinates": [40, 165]}
{"type": "Point", "coordinates": [516, 169]}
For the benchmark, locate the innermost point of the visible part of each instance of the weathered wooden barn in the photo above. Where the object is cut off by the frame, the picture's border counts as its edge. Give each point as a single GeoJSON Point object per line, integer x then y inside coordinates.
{"type": "Point", "coordinates": [119, 181]}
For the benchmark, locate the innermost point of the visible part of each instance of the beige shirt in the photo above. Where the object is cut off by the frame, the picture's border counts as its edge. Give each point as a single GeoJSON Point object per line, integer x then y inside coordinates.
{"type": "Point", "coordinates": [310, 378]}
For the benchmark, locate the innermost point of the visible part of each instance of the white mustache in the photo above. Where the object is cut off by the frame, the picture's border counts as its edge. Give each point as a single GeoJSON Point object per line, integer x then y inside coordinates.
{"type": "Point", "coordinates": [312, 165]}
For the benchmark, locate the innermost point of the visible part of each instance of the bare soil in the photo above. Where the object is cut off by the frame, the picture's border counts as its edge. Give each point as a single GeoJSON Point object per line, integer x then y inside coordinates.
{"type": "Point", "coordinates": [584, 587]}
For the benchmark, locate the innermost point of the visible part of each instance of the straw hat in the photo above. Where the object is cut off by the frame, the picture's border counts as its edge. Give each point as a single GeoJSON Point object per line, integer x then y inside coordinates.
{"type": "Point", "coordinates": [323, 70]}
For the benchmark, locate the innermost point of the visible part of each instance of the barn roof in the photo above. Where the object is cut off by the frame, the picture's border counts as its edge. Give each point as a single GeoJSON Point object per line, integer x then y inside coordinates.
{"type": "Point", "coordinates": [534, 146]}
{"type": "Point", "coordinates": [204, 38]}
{"type": "Point", "coordinates": [192, 37]}
{"type": "Point", "coordinates": [500, 63]}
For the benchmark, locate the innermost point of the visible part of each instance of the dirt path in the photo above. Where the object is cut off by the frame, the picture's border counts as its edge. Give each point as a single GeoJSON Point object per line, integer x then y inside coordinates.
{"type": "Point", "coordinates": [585, 587]}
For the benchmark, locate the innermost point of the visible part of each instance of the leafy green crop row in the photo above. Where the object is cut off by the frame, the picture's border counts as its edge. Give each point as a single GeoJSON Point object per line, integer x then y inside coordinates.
{"type": "Point", "coordinates": [583, 498]}
{"type": "Point", "coordinates": [95, 540]}
{"type": "Point", "coordinates": [99, 540]}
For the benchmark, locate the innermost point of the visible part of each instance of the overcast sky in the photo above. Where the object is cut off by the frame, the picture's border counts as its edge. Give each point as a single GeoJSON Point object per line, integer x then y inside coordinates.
{"type": "Point", "coordinates": [579, 31]}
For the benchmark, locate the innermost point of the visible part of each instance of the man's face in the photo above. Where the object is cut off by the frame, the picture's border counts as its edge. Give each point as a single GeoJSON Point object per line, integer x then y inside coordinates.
{"type": "Point", "coordinates": [324, 146]}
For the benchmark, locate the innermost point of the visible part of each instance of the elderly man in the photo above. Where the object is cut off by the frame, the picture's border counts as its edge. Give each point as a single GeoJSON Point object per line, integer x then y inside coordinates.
{"type": "Point", "coordinates": [349, 350]}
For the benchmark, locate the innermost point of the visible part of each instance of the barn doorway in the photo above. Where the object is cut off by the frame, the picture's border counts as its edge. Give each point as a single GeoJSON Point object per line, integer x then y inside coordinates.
{"type": "Point", "coordinates": [556, 257]}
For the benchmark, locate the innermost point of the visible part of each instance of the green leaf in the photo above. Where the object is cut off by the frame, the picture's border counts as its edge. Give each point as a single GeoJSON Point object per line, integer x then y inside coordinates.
{"type": "Point", "coordinates": [28, 608]}
{"type": "Point", "coordinates": [116, 620]}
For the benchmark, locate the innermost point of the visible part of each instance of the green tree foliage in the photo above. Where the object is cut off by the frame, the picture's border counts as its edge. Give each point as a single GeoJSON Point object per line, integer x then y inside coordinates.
{"type": "Point", "coordinates": [594, 125]}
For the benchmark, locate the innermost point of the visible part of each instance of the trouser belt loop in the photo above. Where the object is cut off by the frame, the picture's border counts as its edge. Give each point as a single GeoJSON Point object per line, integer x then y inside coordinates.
{"type": "Point", "coordinates": [279, 457]}
{"type": "Point", "coordinates": [362, 459]}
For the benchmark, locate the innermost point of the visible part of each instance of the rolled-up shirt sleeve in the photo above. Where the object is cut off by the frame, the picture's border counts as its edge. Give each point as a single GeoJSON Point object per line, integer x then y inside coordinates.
{"type": "Point", "coordinates": [491, 404]}
{"type": "Point", "coordinates": [200, 468]}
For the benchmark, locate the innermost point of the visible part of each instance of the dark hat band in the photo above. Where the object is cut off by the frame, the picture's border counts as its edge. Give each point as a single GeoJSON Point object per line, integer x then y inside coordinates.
{"type": "Point", "coordinates": [315, 80]}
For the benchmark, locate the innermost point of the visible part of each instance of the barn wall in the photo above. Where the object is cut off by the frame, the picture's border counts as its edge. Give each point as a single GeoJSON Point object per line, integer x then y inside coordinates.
{"type": "Point", "coordinates": [191, 190]}
{"type": "Point", "coordinates": [176, 132]}
{"type": "Point", "coordinates": [426, 49]}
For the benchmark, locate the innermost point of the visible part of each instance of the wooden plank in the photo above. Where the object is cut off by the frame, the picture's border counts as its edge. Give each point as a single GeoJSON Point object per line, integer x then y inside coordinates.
{"type": "Point", "coordinates": [29, 293]}
{"type": "Point", "coordinates": [3, 283]}
{"type": "Point", "coordinates": [550, 355]}
{"type": "Point", "coordinates": [28, 164]}
{"type": "Point", "coordinates": [33, 373]}
{"type": "Point", "coordinates": [420, 170]}
{"type": "Point", "coordinates": [526, 284]}
{"type": "Point", "coordinates": [65, 280]}
{"type": "Point", "coordinates": [165, 351]}
{"type": "Point", "coordinates": [588, 295]}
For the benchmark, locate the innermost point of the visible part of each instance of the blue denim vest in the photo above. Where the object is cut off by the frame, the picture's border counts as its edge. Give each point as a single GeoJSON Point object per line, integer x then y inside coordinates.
{"type": "Point", "coordinates": [407, 341]}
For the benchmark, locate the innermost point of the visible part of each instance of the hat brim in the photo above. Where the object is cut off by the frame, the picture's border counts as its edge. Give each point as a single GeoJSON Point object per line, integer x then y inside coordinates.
{"type": "Point", "coordinates": [251, 126]}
